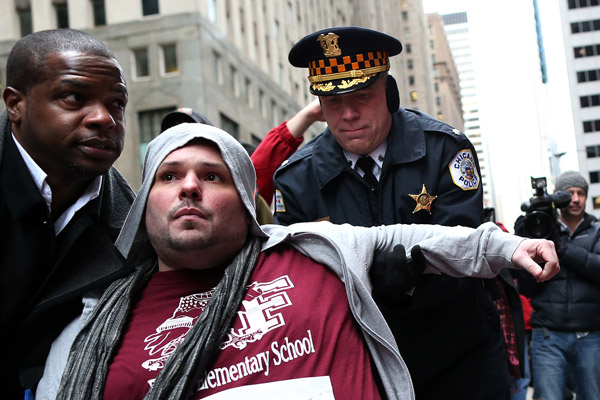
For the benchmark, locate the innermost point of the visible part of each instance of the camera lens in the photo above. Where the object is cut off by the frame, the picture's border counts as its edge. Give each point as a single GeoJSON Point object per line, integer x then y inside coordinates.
{"type": "Point", "coordinates": [538, 225]}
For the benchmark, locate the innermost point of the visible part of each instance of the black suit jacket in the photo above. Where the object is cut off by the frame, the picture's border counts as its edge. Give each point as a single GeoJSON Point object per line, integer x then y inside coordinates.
{"type": "Point", "coordinates": [43, 276]}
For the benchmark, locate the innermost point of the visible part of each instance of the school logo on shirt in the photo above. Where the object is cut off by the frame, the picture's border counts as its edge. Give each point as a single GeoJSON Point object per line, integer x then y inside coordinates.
{"type": "Point", "coordinates": [258, 315]}
{"type": "Point", "coordinates": [463, 170]}
{"type": "Point", "coordinates": [171, 333]}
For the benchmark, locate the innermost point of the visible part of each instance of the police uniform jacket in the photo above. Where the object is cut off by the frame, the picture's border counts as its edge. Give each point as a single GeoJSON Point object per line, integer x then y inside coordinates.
{"type": "Point", "coordinates": [43, 276]}
{"type": "Point", "coordinates": [570, 301]}
{"type": "Point", "coordinates": [318, 183]}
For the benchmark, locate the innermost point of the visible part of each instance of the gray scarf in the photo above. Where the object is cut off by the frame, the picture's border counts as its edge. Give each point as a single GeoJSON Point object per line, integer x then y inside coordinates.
{"type": "Point", "coordinates": [95, 346]}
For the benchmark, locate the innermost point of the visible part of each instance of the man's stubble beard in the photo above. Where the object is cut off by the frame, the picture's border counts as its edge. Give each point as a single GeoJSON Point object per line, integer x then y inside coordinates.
{"type": "Point", "coordinates": [197, 241]}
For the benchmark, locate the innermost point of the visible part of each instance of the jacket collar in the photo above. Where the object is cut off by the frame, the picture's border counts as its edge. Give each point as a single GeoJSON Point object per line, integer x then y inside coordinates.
{"type": "Point", "coordinates": [588, 220]}
{"type": "Point", "coordinates": [14, 174]}
{"type": "Point", "coordinates": [405, 143]}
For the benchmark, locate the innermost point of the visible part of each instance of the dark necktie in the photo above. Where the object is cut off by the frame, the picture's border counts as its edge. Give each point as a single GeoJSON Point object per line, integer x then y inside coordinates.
{"type": "Point", "coordinates": [366, 165]}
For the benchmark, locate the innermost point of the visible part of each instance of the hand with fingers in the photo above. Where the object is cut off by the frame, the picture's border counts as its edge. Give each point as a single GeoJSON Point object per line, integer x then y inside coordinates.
{"type": "Point", "coordinates": [538, 257]}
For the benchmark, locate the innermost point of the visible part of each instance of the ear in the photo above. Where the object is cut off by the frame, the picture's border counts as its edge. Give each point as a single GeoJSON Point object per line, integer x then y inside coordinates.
{"type": "Point", "coordinates": [392, 96]}
{"type": "Point", "coordinates": [15, 104]}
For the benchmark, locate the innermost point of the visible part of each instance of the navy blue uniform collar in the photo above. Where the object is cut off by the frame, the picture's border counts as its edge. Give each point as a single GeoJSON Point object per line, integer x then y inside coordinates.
{"type": "Point", "coordinates": [405, 143]}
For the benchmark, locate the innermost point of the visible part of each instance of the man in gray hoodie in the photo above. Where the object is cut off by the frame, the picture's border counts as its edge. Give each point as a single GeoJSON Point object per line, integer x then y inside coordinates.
{"type": "Point", "coordinates": [219, 304]}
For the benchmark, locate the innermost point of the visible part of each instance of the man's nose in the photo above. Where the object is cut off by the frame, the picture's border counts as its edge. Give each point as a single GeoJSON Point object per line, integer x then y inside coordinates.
{"type": "Point", "coordinates": [190, 187]}
{"type": "Point", "coordinates": [350, 110]}
{"type": "Point", "coordinates": [99, 116]}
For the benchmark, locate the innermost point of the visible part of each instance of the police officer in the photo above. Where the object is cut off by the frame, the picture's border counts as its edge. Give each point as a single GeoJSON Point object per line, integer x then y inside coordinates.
{"type": "Point", "coordinates": [377, 164]}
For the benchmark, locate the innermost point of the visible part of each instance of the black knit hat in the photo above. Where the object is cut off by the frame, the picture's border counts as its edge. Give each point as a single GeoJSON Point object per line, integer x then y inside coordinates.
{"type": "Point", "coordinates": [570, 179]}
{"type": "Point", "coordinates": [181, 115]}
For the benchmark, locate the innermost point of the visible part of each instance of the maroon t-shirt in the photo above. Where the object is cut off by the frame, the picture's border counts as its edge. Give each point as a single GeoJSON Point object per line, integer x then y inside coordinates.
{"type": "Point", "coordinates": [294, 335]}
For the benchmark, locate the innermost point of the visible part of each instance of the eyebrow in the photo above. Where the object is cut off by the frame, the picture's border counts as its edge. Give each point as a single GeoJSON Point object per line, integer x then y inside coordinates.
{"type": "Point", "coordinates": [73, 82]}
{"type": "Point", "coordinates": [119, 88]}
{"type": "Point", "coordinates": [210, 164]}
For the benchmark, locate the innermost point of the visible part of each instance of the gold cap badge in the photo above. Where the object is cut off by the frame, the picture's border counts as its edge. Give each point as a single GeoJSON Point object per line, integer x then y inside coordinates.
{"type": "Point", "coordinates": [423, 200]}
{"type": "Point", "coordinates": [329, 44]}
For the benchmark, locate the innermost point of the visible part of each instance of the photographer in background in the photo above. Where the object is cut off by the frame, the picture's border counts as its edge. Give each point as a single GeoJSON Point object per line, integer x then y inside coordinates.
{"type": "Point", "coordinates": [566, 309]}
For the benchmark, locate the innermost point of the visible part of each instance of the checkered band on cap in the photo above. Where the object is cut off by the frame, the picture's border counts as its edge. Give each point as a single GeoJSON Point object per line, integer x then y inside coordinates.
{"type": "Point", "coordinates": [321, 69]}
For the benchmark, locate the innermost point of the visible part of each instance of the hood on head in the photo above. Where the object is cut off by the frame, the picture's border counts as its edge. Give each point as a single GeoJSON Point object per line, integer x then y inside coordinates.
{"type": "Point", "coordinates": [133, 241]}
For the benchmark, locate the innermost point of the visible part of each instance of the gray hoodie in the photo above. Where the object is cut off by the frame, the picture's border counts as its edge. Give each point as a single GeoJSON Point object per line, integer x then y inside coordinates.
{"type": "Point", "coordinates": [346, 250]}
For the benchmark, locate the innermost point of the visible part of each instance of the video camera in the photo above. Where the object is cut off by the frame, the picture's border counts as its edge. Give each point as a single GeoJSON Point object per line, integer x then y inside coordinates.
{"type": "Point", "coordinates": [540, 211]}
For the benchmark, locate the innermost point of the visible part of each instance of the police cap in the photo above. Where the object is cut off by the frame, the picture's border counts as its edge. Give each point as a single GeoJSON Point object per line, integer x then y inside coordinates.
{"type": "Point", "coordinates": [344, 59]}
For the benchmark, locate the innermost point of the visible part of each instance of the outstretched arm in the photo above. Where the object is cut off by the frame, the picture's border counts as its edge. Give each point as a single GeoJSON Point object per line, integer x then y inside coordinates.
{"type": "Point", "coordinates": [459, 251]}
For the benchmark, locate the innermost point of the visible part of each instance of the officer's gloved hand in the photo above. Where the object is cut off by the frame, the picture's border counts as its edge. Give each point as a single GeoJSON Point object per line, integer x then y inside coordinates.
{"type": "Point", "coordinates": [392, 274]}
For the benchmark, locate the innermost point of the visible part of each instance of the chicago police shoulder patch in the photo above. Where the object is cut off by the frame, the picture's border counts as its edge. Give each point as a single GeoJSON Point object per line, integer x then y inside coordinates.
{"type": "Point", "coordinates": [463, 170]}
{"type": "Point", "coordinates": [279, 204]}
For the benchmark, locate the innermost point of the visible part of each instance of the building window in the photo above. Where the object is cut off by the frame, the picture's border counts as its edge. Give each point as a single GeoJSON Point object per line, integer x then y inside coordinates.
{"type": "Point", "coordinates": [586, 51]}
{"type": "Point", "coordinates": [99, 12]}
{"type": "Point", "coordinates": [274, 114]}
{"type": "Point", "coordinates": [414, 95]}
{"type": "Point", "coordinates": [212, 11]}
{"type": "Point", "coordinates": [267, 47]}
{"type": "Point", "coordinates": [149, 7]}
{"type": "Point", "coordinates": [242, 21]}
{"type": "Point", "coordinates": [589, 101]}
{"type": "Point", "coordinates": [594, 176]}
{"type": "Point", "coordinates": [409, 63]}
{"type": "Point", "coordinates": [62, 15]}
{"type": "Point", "coordinates": [248, 92]}
{"type": "Point", "coordinates": [169, 58]}
{"type": "Point", "coordinates": [233, 81]}
{"type": "Point", "coordinates": [149, 122]}
{"type": "Point", "coordinates": [585, 26]}
{"type": "Point", "coordinates": [140, 59]}
{"type": "Point", "coordinates": [230, 126]}
{"type": "Point", "coordinates": [255, 30]}
{"type": "Point", "coordinates": [218, 67]}
{"type": "Point", "coordinates": [596, 202]}
{"type": "Point", "coordinates": [591, 126]}
{"type": "Point", "coordinates": [582, 3]}
{"type": "Point", "coordinates": [411, 80]}
{"type": "Point", "coordinates": [296, 94]}
{"type": "Point", "coordinates": [438, 101]}
{"type": "Point", "coordinates": [25, 23]}
{"type": "Point", "coordinates": [261, 102]}
{"type": "Point", "coordinates": [588, 76]}
{"type": "Point", "coordinates": [592, 151]}
{"type": "Point", "coordinates": [408, 48]}
{"type": "Point", "coordinates": [405, 16]}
